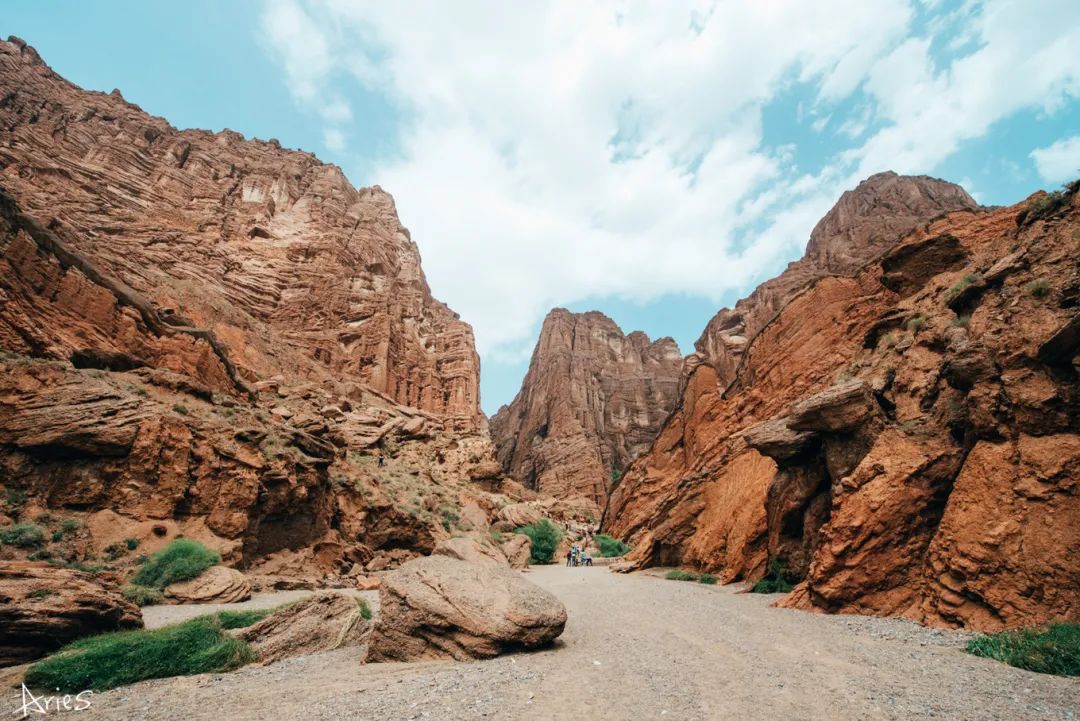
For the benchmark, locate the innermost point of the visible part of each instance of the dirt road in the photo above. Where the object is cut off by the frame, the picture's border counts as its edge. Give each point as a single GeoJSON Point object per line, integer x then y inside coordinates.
{"type": "Point", "coordinates": [637, 647]}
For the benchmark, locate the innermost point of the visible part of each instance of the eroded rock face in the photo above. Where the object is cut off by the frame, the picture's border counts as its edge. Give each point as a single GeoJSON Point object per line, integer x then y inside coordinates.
{"type": "Point", "coordinates": [592, 401]}
{"type": "Point", "coordinates": [442, 607]}
{"type": "Point", "coordinates": [43, 607]}
{"type": "Point", "coordinates": [899, 437]}
{"type": "Point", "coordinates": [322, 622]}
{"type": "Point", "coordinates": [214, 337]}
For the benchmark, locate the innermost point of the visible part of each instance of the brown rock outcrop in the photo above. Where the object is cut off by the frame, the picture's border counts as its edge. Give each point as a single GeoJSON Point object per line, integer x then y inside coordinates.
{"type": "Point", "coordinates": [217, 584]}
{"type": "Point", "coordinates": [898, 437]}
{"type": "Point", "coordinates": [441, 607]}
{"type": "Point", "coordinates": [322, 622]}
{"type": "Point", "coordinates": [43, 607]}
{"type": "Point", "coordinates": [593, 400]}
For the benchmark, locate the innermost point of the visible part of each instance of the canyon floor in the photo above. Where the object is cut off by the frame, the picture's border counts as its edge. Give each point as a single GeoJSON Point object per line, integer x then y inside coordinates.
{"type": "Point", "coordinates": [637, 647]}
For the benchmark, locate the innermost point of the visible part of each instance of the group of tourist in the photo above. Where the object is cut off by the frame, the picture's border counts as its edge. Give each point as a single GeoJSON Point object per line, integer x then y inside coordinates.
{"type": "Point", "coordinates": [578, 556]}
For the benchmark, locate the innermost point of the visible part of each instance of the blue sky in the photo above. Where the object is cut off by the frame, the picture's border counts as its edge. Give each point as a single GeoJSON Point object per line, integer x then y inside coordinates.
{"type": "Point", "coordinates": [653, 161]}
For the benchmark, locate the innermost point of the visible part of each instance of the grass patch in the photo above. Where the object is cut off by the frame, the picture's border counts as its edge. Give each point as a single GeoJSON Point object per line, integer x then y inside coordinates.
{"type": "Point", "coordinates": [141, 595]}
{"type": "Point", "coordinates": [242, 619]}
{"type": "Point", "coordinates": [114, 659]}
{"type": "Point", "coordinates": [961, 321]}
{"type": "Point", "coordinates": [545, 537]}
{"type": "Point", "coordinates": [916, 324]}
{"type": "Point", "coordinates": [708, 579]}
{"type": "Point", "coordinates": [680, 575]}
{"type": "Point", "coordinates": [961, 285]}
{"type": "Point", "coordinates": [365, 609]}
{"type": "Point", "coordinates": [182, 560]}
{"type": "Point", "coordinates": [1054, 649]}
{"type": "Point", "coordinates": [611, 547]}
{"type": "Point", "coordinates": [43, 593]}
{"type": "Point", "coordinates": [23, 535]}
{"type": "Point", "coordinates": [1037, 288]}
{"type": "Point", "coordinates": [775, 580]}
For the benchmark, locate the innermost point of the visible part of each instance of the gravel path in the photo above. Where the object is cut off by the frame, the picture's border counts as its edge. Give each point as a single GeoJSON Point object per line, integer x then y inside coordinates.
{"type": "Point", "coordinates": [637, 647]}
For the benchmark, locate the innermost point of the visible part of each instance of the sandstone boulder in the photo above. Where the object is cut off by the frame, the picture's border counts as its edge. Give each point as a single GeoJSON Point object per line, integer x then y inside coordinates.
{"type": "Point", "coordinates": [440, 607]}
{"type": "Point", "coordinates": [517, 515]}
{"type": "Point", "coordinates": [517, 547]}
{"type": "Point", "coordinates": [471, 550]}
{"type": "Point", "coordinates": [323, 622]}
{"type": "Point", "coordinates": [218, 584]}
{"type": "Point", "coordinates": [44, 607]}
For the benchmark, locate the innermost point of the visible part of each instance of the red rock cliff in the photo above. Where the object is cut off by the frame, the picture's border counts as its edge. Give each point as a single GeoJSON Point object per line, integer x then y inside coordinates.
{"type": "Point", "coordinates": [592, 401]}
{"type": "Point", "coordinates": [903, 438]}
{"type": "Point", "coordinates": [297, 273]}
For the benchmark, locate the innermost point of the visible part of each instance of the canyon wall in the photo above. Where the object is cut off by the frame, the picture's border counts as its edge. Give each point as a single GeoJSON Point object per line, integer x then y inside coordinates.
{"type": "Point", "coordinates": [592, 401]}
{"type": "Point", "coordinates": [900, 437]}
{"type": "Point", "coordinates": [215, 337]}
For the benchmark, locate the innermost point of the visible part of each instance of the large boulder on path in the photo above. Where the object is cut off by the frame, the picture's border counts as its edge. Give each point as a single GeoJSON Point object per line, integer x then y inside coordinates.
{"type": "Point", "coordinates": [322, 622]}
{"type": "Point", "coordinates": [441, 607]}
{"type": "Point", "coordinates": [217, 584]}
{"type": "Point", "coordinates": [43, 607]}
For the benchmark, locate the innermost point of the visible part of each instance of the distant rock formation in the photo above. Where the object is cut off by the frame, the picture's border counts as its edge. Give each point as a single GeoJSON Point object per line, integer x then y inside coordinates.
{"type": "Point", "coordinates": [900, 436]}
{"type": "Point", "coordinates": [592, 401]}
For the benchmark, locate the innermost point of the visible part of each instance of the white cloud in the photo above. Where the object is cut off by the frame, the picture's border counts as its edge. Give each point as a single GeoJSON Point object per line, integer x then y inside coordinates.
{"type": "Point", "coordinates": [553, 151]}
{"type": "Point", "coordinates": [1059, 162]}
{"type": "Point", "coordinates": [334, 139]}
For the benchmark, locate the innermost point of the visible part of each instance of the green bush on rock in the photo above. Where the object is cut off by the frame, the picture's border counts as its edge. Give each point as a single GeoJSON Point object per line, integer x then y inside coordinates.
{"type": "Point", "coordinates": [611, 547]}
{"type": "Point", "coordinates": [181, 560]}
{"type": "Point", "coordinates": [545, 537]}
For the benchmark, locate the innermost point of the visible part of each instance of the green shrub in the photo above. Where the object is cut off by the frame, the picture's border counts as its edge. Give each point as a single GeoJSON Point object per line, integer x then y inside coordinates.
{"type": "Point", "coordinates": [181, 560]}
{"type": "Point", "coordinates": [181, 409]}
{"type": "Point", "coordinates": [496, 536]}
{"type": "Point", "coordinates": [708, 579]}
{"type": "Point", "coordinates": [961, 285]}
{"type": "Point", "coordinates": [775, 580]}
{"type": "Point", "coordinates": [545, 537]}
{"type": "Point", "coordinates": [131, 543]}
{"type": "Point", "coordinates": [680, 575]}
{"type": "Point", "coordinates": [1054, 649]}
{"type": "Point", "coordinates": [142, 595]}
{"type": "Point", "coordinates": [57, 536]}
{"type": "Point", "coordinates": [1037, 288]}
{"type": "Point", "coordinates": [242, 619]}
{"type": "Point", "coordinates": [114, 659]}
{"type": "Point", "coordinates": [961, 321]}
{"type": "Point", "coordinates": [23, 535]}
{"type": "Point", "coordinates": [611, 547]}
{"type": "Point", "coordinates": [42, 593]}
{"type": "Point", "coordinates": [916, 324]}
{"type": "Point", "coordinates": [365, 609]}
{"type": "Point", "coordinates": [69, 525]}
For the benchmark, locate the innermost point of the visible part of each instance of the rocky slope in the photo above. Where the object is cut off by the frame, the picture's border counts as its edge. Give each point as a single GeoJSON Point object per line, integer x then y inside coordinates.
{"type": "Point", "coordinates": [209, 336]}
{"type": "Point", "coordinates": [901, 438]}
{"type": "Point", "coordinates": [592, 401]}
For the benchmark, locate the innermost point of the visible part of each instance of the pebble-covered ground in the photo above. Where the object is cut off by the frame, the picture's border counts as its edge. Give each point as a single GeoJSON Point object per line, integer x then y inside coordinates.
{"type": "Point", "coordinates": [637, 647]}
